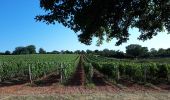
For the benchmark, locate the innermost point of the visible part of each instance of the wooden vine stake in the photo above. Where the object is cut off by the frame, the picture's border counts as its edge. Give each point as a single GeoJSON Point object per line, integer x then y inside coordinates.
{"type": "Point", "coordinates": [118, 73]}
{"type": "Point", "coordinates": [0, 79]}
{"type": "Point", "coordinates": [30, 74]}
{"type": "Point", "coordinates": [145, 74]}
{"type": "Point", "coordinates": [91, 72]}
{"type": "Point", "coordinates": [168, 76]}
{"type": "Point", "coordinates": [61, 73]}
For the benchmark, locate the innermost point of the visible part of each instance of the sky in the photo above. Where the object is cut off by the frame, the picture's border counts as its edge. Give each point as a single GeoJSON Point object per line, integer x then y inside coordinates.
{"type": "Point", "coordinates": [19, 28]}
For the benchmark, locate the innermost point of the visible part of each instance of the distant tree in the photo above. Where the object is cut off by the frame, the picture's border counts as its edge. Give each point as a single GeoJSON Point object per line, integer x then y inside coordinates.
{"type": "Point", "coordinates": [42, 51]}
{"type": "Point", "coordinates": [111, 53]}
{"type": "Point", "coordinates": [135, 50]}
{"type": "Point", "coordinates": [7, 52]}
{"type": "Point", "coordinates": [55, 52]}
{"type": "Point", "coordinates": [119, 54]}
{"type": "Point", "coordinates": [24, 51]}
{"type": "Point", "coordinates": [62, 51]}
{"type": "Point", "coordinates": [161, 52]}
{"type": "Point", "coordinates": [17, 50]}
{"type": "Point", "coordinates": [144, 52]}
{"type": "Point", "coordinates": [21, 50]}
{"type": "Point", "coordinates": [77, 52]}
{"type": "Point", "coordinates": [168, 52]}
{"type": "Point", "coordinates": [31, 49]}
{"type": "Point", "coordinates": [96, 51]}
{"type": "Point", "coordinates": [83, 52]}
{"type": "Point", "coordinates": [1, 53]}
{"type": "Point", "coordinates": [106, 52]}
{"type": "Point", "coordinates": [110, 18]}
{"type": "Point", "coordinates": [89, 51]}
{"type": "Point", "coordinates": [67, 52]}
{"type": "Point", "coordinates": [153, 52]}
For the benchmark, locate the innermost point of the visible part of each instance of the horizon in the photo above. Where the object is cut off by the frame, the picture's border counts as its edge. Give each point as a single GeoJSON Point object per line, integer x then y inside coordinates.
{"type": "Point", "coordinates": [19, 28]}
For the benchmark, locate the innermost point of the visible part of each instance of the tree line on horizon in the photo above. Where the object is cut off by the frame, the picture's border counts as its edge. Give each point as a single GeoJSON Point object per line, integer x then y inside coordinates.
{"type": "Point", "coordinates": [132, 51]}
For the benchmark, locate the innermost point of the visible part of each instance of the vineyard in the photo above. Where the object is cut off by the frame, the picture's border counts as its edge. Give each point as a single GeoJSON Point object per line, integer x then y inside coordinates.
{"type": "Point", "coordinates": [33, 67]}
{"type": "Point", "coordinates": [83, 70]}
{"type": "Point", "coordinates": [137, 71]}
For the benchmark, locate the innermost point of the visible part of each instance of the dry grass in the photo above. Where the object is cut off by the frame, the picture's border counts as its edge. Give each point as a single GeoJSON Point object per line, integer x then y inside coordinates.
{"type": "Point", "coordinates": [95, 96]}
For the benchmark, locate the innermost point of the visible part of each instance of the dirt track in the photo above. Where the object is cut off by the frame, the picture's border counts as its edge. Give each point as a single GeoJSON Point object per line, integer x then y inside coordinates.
{"type": "Point", "coordinates": [92, 96]}
{"type": "Point", "coordinates": [78, 78]}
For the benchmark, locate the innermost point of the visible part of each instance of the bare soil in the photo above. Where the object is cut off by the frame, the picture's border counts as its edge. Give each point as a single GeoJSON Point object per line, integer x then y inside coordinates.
{"type": "Point", "coordinates": [78, 78]}
{"type": "Point", "coordinates": [48, 80]}
{"type": "Point", "coordinates": [102, 84]}
{"type": "Point", "coordinates": [93, 96]}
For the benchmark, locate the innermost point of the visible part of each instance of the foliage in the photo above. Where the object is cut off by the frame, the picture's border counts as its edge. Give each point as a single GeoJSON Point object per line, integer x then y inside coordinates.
{"type": "Point", "coordinates": [42, 51]}
{"type": "Point", "coordinates": [17, 66]}
{"type": "Point", "coordinates": [7, 52]}
{"type": "Point", "coordinates": [136, 50]}
{"type": "Point", "coordinates": [110, 18]}
{"type": "Point", "coordinates": [25, 50]}
{"type": "Point", "coordinates": [134, 71]}
{"type": "Point", "coordinates": [31, 49]}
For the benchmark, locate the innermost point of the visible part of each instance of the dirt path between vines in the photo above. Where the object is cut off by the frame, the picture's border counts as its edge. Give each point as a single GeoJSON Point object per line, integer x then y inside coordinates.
{"type": "Point", "coordinates": [78, 78]}
{"type": "Point", "coordinates": [99, 81]}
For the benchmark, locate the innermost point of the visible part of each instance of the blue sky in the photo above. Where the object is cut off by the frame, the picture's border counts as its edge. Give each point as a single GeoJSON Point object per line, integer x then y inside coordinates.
{"type": "Point", "coordinates": [18, 28]}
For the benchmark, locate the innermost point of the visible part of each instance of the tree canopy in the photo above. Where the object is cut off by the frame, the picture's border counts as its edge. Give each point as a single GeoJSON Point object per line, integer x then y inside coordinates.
{"type": "Point", "coordinates": [136, 50]}
{"type": "Point", "coordinates": [31, 49]}
{"type": "Point", "coordinates": [110, 18]}
{"type": "Point", "coordinates": [42, 51]}
{"type": "Point", "coordinates": [7, 52]}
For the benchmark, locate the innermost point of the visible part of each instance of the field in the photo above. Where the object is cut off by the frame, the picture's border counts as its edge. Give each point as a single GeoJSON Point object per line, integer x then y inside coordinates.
{"type": "Point", "coordinates": [82, 76]}
{"type": "Point", "coordinates": [32, 67]}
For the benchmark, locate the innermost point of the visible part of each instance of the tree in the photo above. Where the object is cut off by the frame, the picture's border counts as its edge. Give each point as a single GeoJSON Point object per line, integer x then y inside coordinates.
{"type": "Point", "coordinates": [89, 51]}
{"type": "Point", "coordinates": [42, 51]}
{"type": "Point", "coordinates": [68, 52]}
{"type": "Point", "coordinates": [20, 50]}
{"type": "Point", "coordinates": [1, 53]}
{"type": "Point", "coordinates": [83, 52]}
{"type": "Point", "coordinates": [153, 52]}
{"type": "Point", "coordinates": [31, 49]}
{"type": "Point", "coordinates": [77, 52]}
{"type": "Point", "coordinates": [25, 50]}
{"type": "Point", "coordinates": [7, 52]}
{"type": "Point", "coordinates": [168, 52]}
{"type": "Point", "coordinates": [119, 54]}
{"type": "Point", "coordinates": [111, 18]}
{"type": "Point", "coordinates": [136, 50]}
{"type": "Point", "coordinates": [106, 52]}
{"type": "Point", "coordinates": [55, 52]}
{"type": "Point", "coordinates": [161, 52]}
{"type": "Point", "coordinates": [96, 51]}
